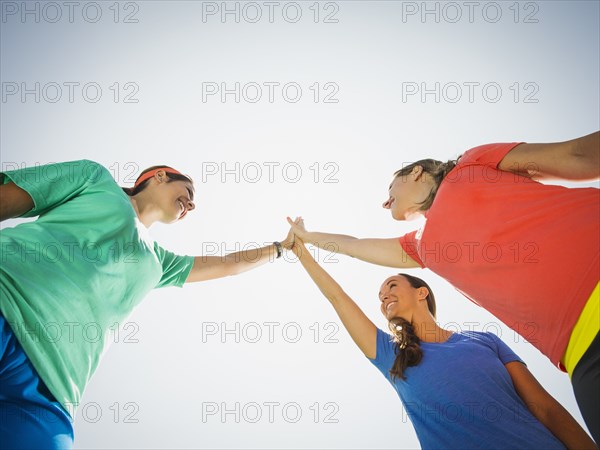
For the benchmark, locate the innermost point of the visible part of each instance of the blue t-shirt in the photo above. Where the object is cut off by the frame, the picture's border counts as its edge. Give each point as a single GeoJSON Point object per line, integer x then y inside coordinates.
{"type": "Point", "coordinates": [462, 396]}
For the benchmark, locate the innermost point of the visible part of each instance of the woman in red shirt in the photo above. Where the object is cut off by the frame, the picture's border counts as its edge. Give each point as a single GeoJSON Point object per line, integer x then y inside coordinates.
{"type": "Point", "coordinates": [527, 252]}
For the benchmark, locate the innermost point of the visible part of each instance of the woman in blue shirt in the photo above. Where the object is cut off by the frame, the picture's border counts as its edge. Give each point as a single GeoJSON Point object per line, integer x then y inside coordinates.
{"type": "Point", "coordinates": [460, 390]}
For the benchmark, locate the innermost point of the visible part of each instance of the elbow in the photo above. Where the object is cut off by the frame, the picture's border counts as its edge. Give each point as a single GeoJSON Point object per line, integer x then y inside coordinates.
{"type": "Point", "coordinates": [585, 157]}
{"type": "Point", "coordinates": [549, 414]}
{"type": "Point", "coordinates": [232, 268]}
{"type": "Point", "coordinates": [350, 249]}
{"type": "Point", "coordinates": [585, 169]}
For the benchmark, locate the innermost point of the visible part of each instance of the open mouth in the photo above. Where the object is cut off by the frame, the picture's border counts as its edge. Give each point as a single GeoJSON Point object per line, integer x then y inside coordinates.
{"type": "Point", "coordinates": [388, 306]}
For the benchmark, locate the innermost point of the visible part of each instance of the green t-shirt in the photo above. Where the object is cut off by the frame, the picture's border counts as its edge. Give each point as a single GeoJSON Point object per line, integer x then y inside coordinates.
{"type": "Point", "coordinates": [77, 271]}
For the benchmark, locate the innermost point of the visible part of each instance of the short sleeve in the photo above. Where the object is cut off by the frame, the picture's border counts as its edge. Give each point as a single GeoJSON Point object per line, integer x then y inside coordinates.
{"type": "Point", "coordinates": [176, 268]}
{"type": "Point", "coordinates": [487, 155]}
{"type": "Point", "coordinates": [384, 353]}
{"type": "Point", "coordinates": [409, 245]}
{"type": "Point", "coordinates": [51, 185]}
{"type": "Point", "coordinates": [505, 353]}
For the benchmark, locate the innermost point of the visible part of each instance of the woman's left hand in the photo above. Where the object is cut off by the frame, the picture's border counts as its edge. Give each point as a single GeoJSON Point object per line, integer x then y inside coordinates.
{"type": "Point", "coordinates": [291, 238]}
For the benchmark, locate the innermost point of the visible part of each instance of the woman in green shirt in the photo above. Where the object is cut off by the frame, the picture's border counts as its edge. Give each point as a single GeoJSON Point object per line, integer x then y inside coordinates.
{"type": "Point", "coordinates": [83, 265]}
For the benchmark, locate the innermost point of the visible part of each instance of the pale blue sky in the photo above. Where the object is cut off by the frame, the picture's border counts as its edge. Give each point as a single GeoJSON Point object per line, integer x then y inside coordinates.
{"type": "Point", "coordinates": [329, 161]}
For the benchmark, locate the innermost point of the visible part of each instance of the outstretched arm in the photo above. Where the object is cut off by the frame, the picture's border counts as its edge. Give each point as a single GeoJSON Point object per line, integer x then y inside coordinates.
{"type": "Point", "coordinates": [211, 267]}
{"type": "Point", "coordinates": [547, 410]}
{"type": "Point", "coordinates": [384, 252]}
{"type": "Point", "coordinates": [361, 329]}
{"type": "Point", "coordinates": [577, 159]}
{"type": "Point", "coordinates": [14, 201]}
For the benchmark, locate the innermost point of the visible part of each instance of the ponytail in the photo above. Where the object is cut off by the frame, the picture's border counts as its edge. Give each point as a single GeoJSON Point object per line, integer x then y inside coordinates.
{"type": "Point", "coordinates": [407, 349]}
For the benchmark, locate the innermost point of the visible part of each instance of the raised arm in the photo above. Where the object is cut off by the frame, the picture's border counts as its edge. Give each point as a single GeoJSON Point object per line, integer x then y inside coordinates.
{"type": "Point", "coordinates": [14, 201]}
{"type": "Point", "coordinates": [384, 252]}
{"type": "Point", "coordinates": [577, 159]}
{"type": "Point", "coordinates": [361, 329]}
{"type": "Point", "coordinates": [211, 267]}
{"type": "Point", "coordinates": [547, 410]}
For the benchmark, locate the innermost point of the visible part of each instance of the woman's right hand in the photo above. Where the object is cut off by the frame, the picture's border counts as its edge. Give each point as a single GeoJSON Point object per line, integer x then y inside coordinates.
{"type": "Point", "coordinates": [385, 252]}
{"type": "Point", "coordinates": [361, 329]}
{"type": "Point", "coordinates": [297, 243]}
{"type": "Point", "coordinates": [298, 227]}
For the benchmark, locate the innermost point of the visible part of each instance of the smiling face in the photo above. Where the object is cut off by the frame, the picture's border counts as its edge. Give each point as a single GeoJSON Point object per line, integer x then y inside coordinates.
{"type": "Point", "coordinates": [174, 198]}
{"type": "Point", "coordinates": [399, 299]}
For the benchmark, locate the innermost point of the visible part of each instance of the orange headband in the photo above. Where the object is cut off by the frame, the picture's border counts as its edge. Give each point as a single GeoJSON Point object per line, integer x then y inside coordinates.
{"type": "Point", "coordinates": [150, 174]}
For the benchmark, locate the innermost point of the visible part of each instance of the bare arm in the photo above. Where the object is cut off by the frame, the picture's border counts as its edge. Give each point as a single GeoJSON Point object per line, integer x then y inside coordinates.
{"type": "Point", "coordinates": [547, 410]}
{"type": "Point", "coordinates": [14, 201]}
{"type": "Point", "coordinates": [360, 328]}
{"type": "Point", "coordinates": [384, 252]}
{"type": "Point", "coordinates": [211, 267]}
{"type": "Point", "coordinates": [577, 159]}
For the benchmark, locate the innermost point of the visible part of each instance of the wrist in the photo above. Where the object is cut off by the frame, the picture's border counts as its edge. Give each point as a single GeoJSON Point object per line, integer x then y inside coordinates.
{"type": "Point", "coordinates": [287, 243]}
{"type": "Point", "coordinates": [308, 237]}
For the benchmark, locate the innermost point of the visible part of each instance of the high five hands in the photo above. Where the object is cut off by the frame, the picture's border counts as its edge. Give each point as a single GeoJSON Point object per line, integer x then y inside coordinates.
{"type": "Point", "coordinates": [297, 233]}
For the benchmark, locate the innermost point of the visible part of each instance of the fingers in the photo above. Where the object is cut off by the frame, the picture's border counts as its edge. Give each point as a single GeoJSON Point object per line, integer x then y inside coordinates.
{"type": "Point", "coordinates": [296, 221]}
{"type": "Point", "coordinates": [289, 241]}
{"type": "Point", "coordinates": [296, 229]}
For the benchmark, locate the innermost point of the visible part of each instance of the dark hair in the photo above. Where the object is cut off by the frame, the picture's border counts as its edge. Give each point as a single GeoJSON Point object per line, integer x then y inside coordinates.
{"type": "Point", "coordinates": [438, 171]}
{"type": "Point", "coordinates": [407, 349]}
{"type": "Point", "coordinates": [171, 177]}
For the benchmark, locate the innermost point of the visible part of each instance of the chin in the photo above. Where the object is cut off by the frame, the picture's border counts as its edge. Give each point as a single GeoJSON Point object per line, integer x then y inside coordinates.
{"type": "Point", "coordinates": [392, 316]}
{"type": "Point", "coordinates": [396, 216]}
{"type": "Point", "coordinates": [171, 220]}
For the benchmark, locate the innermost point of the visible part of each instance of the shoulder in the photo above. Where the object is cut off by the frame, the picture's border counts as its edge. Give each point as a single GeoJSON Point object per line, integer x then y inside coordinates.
{"type": "Point", "coordinates": [385, 346]}
{"type": "Point", "coordinates": [488, 154]}
{"type": "Point", "coordinates": [77, 170]}
{"type": "Point", "coordinates": [385, 354]}
{"type": "Point", "coordinates": [92, 172]}
{"type": "Point", "coordinates": [385, 337]}
{"type": "Point", "coordinates": [93, 168]}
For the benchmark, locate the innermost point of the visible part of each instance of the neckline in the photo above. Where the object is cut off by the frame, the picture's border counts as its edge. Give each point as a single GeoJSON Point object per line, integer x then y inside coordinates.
{"type": "Point", "coordinates": [451, 338]}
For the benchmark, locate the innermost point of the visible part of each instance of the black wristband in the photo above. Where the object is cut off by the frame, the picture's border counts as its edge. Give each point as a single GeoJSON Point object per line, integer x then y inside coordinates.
{"type": "Point", "coordinates": [279, 248]}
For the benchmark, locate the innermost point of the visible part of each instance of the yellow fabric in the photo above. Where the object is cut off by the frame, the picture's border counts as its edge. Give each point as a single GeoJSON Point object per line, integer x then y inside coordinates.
{"type": "Point", "coordinates": [584, 332]}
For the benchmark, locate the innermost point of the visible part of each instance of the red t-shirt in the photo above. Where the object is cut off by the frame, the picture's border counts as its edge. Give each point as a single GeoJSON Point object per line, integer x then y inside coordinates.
{"type": "Point", "coordinates": [525, 251]}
